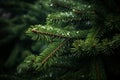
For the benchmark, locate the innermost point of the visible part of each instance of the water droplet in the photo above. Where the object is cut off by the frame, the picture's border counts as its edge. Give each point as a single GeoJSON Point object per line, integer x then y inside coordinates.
{"type": "Point", "coordinates": [51, 4]}
{"type": "Point", "coordinates": [77, 31]}
{"type": "Point", "coordinates": [73, 9]}
{"type": "Point", "coordinates": [89, 6]}
{"type": "Point", "coordinates": [34, 28]}
{"type": "Point", "coordinates": [68, 33]}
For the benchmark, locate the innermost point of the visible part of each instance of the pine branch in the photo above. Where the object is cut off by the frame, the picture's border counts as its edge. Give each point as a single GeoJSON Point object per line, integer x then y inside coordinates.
{"type": "Point", "coordinates": [70, 5]}
{"type": "Point", "coordinates": [71, 16]}
{"type": "Point", "coordinates": [95, 47]}
{"type": "Point", "coordinates": [60, 4]}
{"type": "Point", "coordinates": [58, 33]}
{"type": "Point", "coordinates": [49, 34]}
{"type": "Point", "coordinates": [47, 57]}
{"type": "Point", "coordinates": [53, 52]}
{"type": "Point", "coordinates": [62, 18]}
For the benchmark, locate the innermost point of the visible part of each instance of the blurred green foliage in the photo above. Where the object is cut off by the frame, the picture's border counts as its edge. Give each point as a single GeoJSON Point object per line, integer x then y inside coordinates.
{"type": "Point", "coordinates": [15, 16]}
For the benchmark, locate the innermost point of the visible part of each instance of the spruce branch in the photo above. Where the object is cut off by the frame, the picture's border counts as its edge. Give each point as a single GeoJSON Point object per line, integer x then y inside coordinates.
{"type": "Point", "coordinates": [60, 4]}
{"type": "Point", "coordinates": [48, 56]}
{"type": "Point", "coordinates": [48, 34]}
{"type": "Point", "coordinates": [39, 30]}
{"type": "Point", "coordinates": [95, 47]}
{"type": "Point", "coordinates": [72, 16]}
{"type": "Point", "coordinates": [70, 5]}
{"type": "Point", "coordinates": [56, 61]}
{"type": "Point", "coordinates": [54, 51]}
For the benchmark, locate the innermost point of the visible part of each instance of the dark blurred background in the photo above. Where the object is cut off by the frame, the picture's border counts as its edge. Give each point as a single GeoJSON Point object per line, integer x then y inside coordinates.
{"type": "Point", "coordinates": [15, 17]}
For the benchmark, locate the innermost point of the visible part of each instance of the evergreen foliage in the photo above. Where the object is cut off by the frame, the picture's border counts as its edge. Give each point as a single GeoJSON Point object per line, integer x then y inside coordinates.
{"type": "Point", "coordinates": [84, 30]}
{"type": "Point", "coordinates": [78, 36]}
